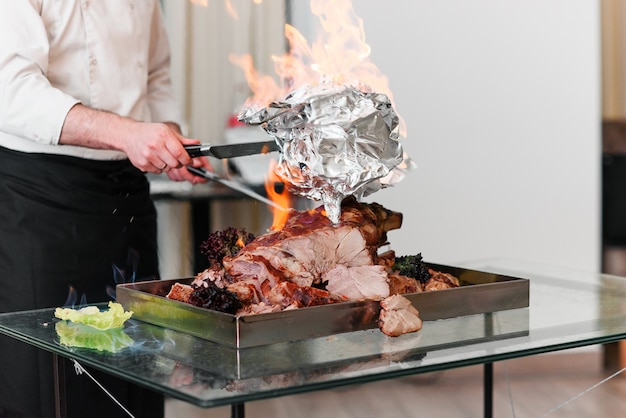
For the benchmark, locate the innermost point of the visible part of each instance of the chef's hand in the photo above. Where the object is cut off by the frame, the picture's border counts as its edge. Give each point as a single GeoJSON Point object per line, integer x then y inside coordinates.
{"type": "Point", "coordinates": [180, 173]}
{"type": "Point", "coordinates": [157, 147]}
{"type": "Point", "coordinates": [151, 147]}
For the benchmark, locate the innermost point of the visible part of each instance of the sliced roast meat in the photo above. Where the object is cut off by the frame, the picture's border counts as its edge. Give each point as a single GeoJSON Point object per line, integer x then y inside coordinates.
{"type": "Point", "coordinates": [398, 316]}
{"type": "Point", "coordinates": [399, 284]}
{"type": "Point", "coordinates": [180, 292]}
{"type": "Point", "coordinates": [440, 281]}
{"type": "Point", "coordinates": [287, 294]}
{"type": "Point", "coordinates": [309, 245]}
{"type": "Point", "coordinates": [358, 282]}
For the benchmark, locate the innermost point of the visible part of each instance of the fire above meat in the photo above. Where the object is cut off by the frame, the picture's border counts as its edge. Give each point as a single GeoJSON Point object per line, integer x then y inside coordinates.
{"type": "Point", "coordinates": [331, 111]}
{"type": "Point", "coordinates": [336, 141]}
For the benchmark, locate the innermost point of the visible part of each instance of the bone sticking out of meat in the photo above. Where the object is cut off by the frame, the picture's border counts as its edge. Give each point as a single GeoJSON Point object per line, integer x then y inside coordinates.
{"type": "Point", "coordinates": [398, 316]}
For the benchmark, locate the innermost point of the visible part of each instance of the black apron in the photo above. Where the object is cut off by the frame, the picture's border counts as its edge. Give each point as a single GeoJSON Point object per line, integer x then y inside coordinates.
{"type": "Point", "coordinates": [70, 230]}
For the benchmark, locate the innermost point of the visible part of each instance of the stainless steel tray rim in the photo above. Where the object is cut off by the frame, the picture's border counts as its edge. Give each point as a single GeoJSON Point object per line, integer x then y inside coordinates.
{"type": "Point", "coordinates": [496, 292]}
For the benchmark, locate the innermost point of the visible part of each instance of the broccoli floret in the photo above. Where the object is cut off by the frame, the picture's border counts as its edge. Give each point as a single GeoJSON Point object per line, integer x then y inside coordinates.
{"type": "Point", "coordinates": [412, 266]}
{"type": "Point", "coordinates": [225, 243]}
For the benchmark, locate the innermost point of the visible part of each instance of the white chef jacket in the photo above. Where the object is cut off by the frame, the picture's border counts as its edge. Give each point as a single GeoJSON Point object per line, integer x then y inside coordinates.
{"type": "Point", "coordinates": [106, 54]}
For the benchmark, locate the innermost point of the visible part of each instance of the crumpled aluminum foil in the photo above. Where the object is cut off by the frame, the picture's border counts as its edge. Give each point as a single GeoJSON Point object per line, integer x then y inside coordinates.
{"type": "Point", "coordinates": [336, 141]}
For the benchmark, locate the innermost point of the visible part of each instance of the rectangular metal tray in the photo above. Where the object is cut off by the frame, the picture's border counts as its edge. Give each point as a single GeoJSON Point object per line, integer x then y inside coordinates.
{"type": "Point", "coordinates": [480, 292]}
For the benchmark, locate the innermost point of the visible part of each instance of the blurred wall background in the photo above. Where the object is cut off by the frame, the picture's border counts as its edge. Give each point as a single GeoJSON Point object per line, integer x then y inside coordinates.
{"type": "Point", "coordinates": [502, 102]}
{"type": "Point", "coordinates": [503, 107]}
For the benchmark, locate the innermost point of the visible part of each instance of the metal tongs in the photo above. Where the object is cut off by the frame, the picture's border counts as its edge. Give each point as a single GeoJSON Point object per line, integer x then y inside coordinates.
{"type": "Point", "coordinates": [233, 185]}
{"type": "Point", "coordinates": [231, 151]}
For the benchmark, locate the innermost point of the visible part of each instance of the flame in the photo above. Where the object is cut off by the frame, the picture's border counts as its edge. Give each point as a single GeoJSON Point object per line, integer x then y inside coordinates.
{"type": "Point", "coordinates": [72, 298]}
{"type": "Point", "coordinates": [340, 55]}
{"type": "Point", "coordinates": [283, 198]}
{"type": "Point", "coordinates": [263, 86]}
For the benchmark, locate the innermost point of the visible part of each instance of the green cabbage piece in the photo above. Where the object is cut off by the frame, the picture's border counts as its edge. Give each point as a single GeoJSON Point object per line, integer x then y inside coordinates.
{"type": "Point", "coordinates": [112, 318]}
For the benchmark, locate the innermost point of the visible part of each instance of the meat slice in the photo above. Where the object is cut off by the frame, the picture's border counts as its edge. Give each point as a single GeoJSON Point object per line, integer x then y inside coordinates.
{"type": "Point", "coordinates": [180, 292]}
{"type": "Point", "coordinates": [302, 259]}
{"type": "Point", "coordinates": [215, 274]}
{"type": "Point", "coordinates": [398, 316]}
{"type": "Point", "coordinates": [358, 282]}
{"type": "Point", "coordinates": [440, 281]}
{"type": "Point", "coordinates": [287, 294]}
{"type": "Point", "coordinates": [258, 308]}
{"type": "Point", "coordinates": [246, 291]}
{"type": "Point", "coordinates": [399, 284]}
{"type": "Point", "coordinates": [299, 258]}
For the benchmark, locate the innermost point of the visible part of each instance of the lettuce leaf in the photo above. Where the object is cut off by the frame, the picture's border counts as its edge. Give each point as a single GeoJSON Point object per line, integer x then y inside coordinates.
{"type": "Point", "coordinates": [112, 318]}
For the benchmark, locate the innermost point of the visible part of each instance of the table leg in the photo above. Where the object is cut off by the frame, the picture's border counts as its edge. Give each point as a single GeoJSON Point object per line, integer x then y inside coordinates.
{"type": "Point", "coordinates": [488, 389]}
{"type": "Point", "coordinates": [60, 406]}
{"type": "Point", "coordinates": [237, 410]}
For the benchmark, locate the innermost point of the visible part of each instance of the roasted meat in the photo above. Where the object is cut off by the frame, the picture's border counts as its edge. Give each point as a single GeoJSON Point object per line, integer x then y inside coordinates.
{"type": "Point", "coordinates": [398, 316]}
{"type": "Point", "coordinates": [358, 282]}
{"type": "Point", "coordinates": [312, 261]}
{"type": "Point", "coordinates": [288, 294]}
{"type": "Point", "coordinates": [399, 284]}
{"type": "Point", "coordinates": [180, 292]}
{"type": "Point", "coordinates": [440, 281]}
{"type": "Point", "coordinates": [310, 250]}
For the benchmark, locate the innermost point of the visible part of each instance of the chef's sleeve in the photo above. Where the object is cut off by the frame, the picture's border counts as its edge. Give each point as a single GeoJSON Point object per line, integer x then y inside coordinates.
{"type": "Point", "coordinates": [29, 106]}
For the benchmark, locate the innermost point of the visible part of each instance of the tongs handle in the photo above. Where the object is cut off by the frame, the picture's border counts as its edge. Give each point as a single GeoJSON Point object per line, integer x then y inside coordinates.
{"type": "Point", "coordinates": [195, 150]}
{"type": "Point", "coordinates": [231, 150]}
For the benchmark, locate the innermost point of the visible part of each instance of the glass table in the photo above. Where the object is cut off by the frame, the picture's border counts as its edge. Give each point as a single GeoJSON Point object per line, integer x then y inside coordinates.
{"type": "Point", "coordinates": [567, 309]}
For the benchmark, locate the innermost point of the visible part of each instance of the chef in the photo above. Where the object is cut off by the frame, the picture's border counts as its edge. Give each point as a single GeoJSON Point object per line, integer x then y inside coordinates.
{"type": "Point", "coordinates": [86, 109]}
